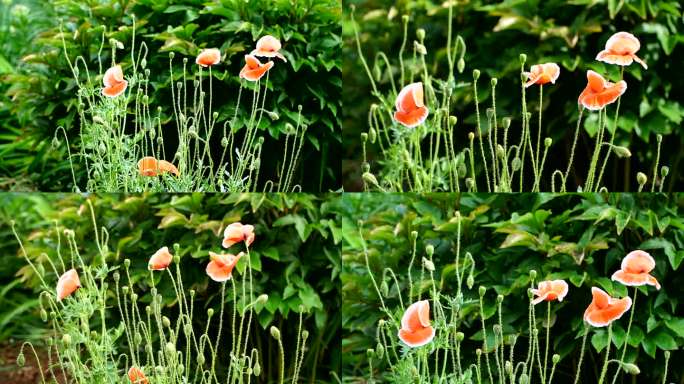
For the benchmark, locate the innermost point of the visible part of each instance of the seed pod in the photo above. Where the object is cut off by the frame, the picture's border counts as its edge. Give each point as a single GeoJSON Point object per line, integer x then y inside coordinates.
{"type": "Point", "coordinates": [364, 137]}
{"type": "Point", "coordinates": [533, 274]}
{"type": "Point", "coordinates": [305, 335]}
{"type": "Point", "coordinates": [370, 353]}
{"type": "Point", "coordinates": [476, 74]}
{"type": "Point", "coordinates": [460, 336]}
{"type": "Point", "coordinates": [420, 34]}
{"type": "Point", "coordinates": [494, 81]}
{"type": "Point", "coordinates": [523, 58]}
{"type": "Point", "coordinates": [210, 312]}
{"type": "Point", "coordinates": [555, 358]}
{"type": "Point", "coordinates": [547, 142]}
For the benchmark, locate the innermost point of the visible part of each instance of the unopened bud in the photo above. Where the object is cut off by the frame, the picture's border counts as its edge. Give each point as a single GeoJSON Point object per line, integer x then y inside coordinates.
{"type": "Point", "coordinates": [547, 142]}
{"type": "Point", "coordinates": [420, 34]}
{"type": "Point", "coordinates": [641, 178]}
{"type": "Point", "coordinates": [460, 65]}
{"type": "Point", "coordinates": [482, 290]}
{"type": "Point", "coordinates": [476, 74]}
{"type": "Point", "coordinates": [622, 151]}
{"type": "Point", "coordinates": [630, 368]}
{"type": "Point", "coordinates": [275, 332]}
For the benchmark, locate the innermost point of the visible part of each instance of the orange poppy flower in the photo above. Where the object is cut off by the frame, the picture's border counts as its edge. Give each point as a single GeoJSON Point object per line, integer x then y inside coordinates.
{"type": "Point", "coordinates": [411, 111]}
{"type": "Point", "coordinates": [237, 232]}
{"type": "Point", "coordinates": [604, 309]}
{"type": "Point", "coordinates": [621, 49]}
{"type": "Point", "coordinates": [114, 83]}
{"type": "Point", "coordinates": [160, 260]}
{"type": "Point", "coordinates": [600, 92]}
{"type": "Point", "coordinates": [542, 74]}
{"type": "Point", "coordinates": [635, 269]}
{"type": "Point", "coordinates": [254, 69]}
{"type": "Point", "coordinates": [220, 268]}
{"type": "Point", "coordinates": [268, 46]}
{"type": "Point", "coordinates": [137, 376]}
{"type": "Point", "coordinates": [149, 166]}
{"type": "Point", "coordinates": [208, 57]}
{"type": "Point", "coordinates": [415, 325]}
{"type": "Point", "coordinates": [68, 283]}
{"type": "Point", "coordinates": [550, 290]}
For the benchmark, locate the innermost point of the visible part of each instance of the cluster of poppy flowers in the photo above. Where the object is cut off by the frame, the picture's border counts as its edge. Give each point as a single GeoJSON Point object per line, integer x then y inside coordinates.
{"type": "Point", "coordinates": [634, 271]}
{"type": "Point", "coordinates": [620, 49]}
{"type": "Point", "coordinates": [267, 46]}
{"type": "Point", "coordinates": [220, 269]}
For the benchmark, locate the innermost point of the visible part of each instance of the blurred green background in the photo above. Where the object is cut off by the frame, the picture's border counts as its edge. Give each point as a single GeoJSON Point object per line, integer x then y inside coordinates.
{"type": "Point", "coordinates": [296, 257]}
{"type": "Point", "coordinates": [580, 238]}
{"type": "Point", "coordinates": [37, 92]}
{"type": "Point", "coordinates": [569, 33]}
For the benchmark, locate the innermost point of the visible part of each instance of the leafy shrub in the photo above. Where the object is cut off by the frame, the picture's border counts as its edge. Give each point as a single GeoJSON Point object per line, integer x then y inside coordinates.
{"type": "Point", "coordinates": [294, 258]}
{"type": "Point", "coordinates": [568, 34]}
{"type": "Point", "coordinates": [44, 90]}
{"type": "Point", "coordinates": [580, 238]}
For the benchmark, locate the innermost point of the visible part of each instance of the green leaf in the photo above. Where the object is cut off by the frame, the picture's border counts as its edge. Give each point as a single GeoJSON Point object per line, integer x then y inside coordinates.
{"type": "Point", "coordinates": [599, 340]}
{"type": "Point", "coordinates": [664, 340]}
{"type": "Point", "coordinates": [676, 325]}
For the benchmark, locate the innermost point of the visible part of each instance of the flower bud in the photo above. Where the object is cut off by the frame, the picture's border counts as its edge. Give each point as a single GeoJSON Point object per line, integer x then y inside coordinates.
{"type": "Point", "coordinates": [547, 142]}
{"type": "Point", "coordinates": [200, 360]}
{"type": "Point", "coordinates": [66, 340]}
{"type": "Point", "coordinates": [533, 274]}
{"type": "Point", "coordinates": [21, 360]}
{"type": "Point", "coordinates": [275, 332]}
{"type": "Point", "coordinates": [453, 120]}
{"type": "Point", "coordinates": [460, 65]}
{"type": "Point", "coordinates": [470, 281]}
{"type": "Point", "coordinates": [524, 379]}
{"type": "Point", "coordinates": [494, 81]}
{"type": "Point", "coordinates": [471, 136]}
{"type": "Point", "coordinates": [405, 19]}
{"type": "Point", "coordinates": [523, 58]}
{"type": "Point", "coordinates": [384, 288]}
{"type": "Point", "coordinates": [499, 299]}
{"type": "Point", "coordinates": [429, 249]}
{"type": "Point", "coordinates": [414, 235]}
{"type": "Point", "coordinates": [476, 74]}
{"type": "Point", "coordinates": [166, 322]}
{"type": "Point", "coordinates": [364, 137]}
{"type": "Point", "coordinates": [372, 135]}
{"type": "Point", "coordinates": [664, 171]}
{"type": "Point", "coordinates": [641, 178]}
{"type": "Point", "coordinates": [170, 348]}
{"type": "Point", "coordinates": [257, 369]}
{"type": "Point", "coordinates": [622, 151]}
{"type": "Point", "coordinates": [210, 312]}
{"type": "Point", "coordinates": [370, 353]}
{"type": "Point", "coordinates": [508, 367]}
{"type": "Point", "coordinates": [482, 290]}
{"type": "Point", "coordinates": [516, 163]}
{"type": "Point", "coordinates": [632, 369]}
{"type": "Point", "coordinates": [460, 336]}
{"type": "Point", "coordinates": [420, 34]}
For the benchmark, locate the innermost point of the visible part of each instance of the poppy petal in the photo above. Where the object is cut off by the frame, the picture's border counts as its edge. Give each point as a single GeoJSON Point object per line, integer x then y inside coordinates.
{"type": "Point", "coordinates": [165, 166]}
{"type": "Point", "coordinates": [115, 90]}
{"type": "Point", "coordinates": [67, 284]}
{"type": "Point", "coordinates": [417, 338]}
{"type": "Point", "coordinates": [635, 279]}
{"type": "Point", "coordinates": [218, 272]}
{"type": "Point", "coordinates": [413, 118]}
{"type": "Point", "coordinates": [257, 73]}
{"type": "Point", "coordinates": [113, 76]}
{"type": "Point", "coordinates": [638, 262]}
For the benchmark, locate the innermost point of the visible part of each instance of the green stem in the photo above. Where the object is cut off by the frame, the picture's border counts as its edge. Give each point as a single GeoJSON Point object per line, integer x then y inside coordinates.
{"type": "Point", "coordinates": [605, 362]}
{"type": "Point", "coordinates": [629, 327]}
{"type": "Point", "coordinates": [579, 363]}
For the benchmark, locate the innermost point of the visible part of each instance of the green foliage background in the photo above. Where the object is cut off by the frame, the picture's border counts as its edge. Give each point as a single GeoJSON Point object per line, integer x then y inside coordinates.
{"type": "Point", "coordinates": [39, 92]}
{"type": "Point", "coordinates": [296, 257]}
{"type": "Point", "coordinates": [580, 238]}
{"type": "Point", "coordinates": [569, 33]}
